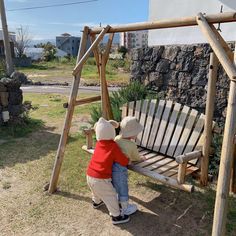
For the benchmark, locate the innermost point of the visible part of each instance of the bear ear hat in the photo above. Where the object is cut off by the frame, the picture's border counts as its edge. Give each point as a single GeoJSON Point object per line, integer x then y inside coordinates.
{"type": "Point", "coordinates": [114, 123]}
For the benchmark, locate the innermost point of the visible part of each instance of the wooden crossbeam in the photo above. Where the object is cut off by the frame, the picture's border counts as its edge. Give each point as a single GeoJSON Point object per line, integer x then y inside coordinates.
{"type": "Point", "coordinates": [87, 100]}
{"type": "Point", "coordinates": [169, 23]}
{"type": "Point", "coordinates": [216, 46]}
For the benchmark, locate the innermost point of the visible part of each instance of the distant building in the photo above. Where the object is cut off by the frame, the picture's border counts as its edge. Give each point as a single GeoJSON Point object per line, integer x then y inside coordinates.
{"type": "Point", "coordinates": [135, 39]}
{"type": "Point", "coordinates": [68, 44]}
{"type": "Point", "coordinates": [12, 38]}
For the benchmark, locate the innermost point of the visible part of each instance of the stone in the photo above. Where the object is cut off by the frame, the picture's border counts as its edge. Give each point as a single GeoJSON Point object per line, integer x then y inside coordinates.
{"type": "Point", "coordinates": [16, 75]}
{"type": "Point", "coordinates": [16, 98]}
{"type": "Point", "coordinates": [157, 53]}
{"type": "Point", "coordinates": [171, 52]}
{"type": "Point", "coordinates": [147, 53]}
{"type": "Point", "coordinates": [163, 66]}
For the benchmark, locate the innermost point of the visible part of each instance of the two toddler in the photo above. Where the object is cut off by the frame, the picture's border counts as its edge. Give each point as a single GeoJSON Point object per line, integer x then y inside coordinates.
{"type": "Point", "coordinates": [109, 161]}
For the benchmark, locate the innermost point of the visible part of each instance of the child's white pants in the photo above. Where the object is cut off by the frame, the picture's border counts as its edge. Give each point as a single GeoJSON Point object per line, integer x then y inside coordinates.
{"type": "Point", "coordinates": [103, 190]}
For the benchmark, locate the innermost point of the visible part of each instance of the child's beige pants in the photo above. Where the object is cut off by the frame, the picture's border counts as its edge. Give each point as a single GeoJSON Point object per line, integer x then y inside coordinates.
{"type": "Point", "coordinates": [103, 190]}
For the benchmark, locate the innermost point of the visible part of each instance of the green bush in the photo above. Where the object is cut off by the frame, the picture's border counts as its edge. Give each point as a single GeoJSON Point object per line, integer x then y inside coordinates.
{"type": "Point", "coordinates": [133, 92]}
{"type": "Point", "coordinates": [214, 160]}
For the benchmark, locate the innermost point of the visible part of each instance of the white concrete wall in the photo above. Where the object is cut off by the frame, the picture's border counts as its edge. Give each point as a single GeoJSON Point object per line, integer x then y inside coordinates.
{"type": "Point", "coordinates": [165, 9]}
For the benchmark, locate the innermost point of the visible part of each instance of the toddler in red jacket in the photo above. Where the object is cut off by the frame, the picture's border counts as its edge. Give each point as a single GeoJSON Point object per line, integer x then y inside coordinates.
{"type": "Point", "coordinates": [99, 170]}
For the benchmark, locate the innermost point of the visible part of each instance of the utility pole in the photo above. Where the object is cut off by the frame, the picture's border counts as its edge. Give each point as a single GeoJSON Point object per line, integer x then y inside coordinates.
{"type": "Point", "coordinates": [6, 40]}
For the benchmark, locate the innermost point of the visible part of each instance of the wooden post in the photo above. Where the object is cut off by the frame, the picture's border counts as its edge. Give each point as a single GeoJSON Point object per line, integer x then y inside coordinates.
{"type": "Point", "coordinates": [182, 173]}
{"type": "Point", "coordinates": [68, 118]}
{"type": "Point", "coordinates": [233, 176]}
{"type": "Point", "coordinates": [211, 92]}
{"type": "Point", "coordinates": [221, 203]}
{"type": "Point", "coordinates": [6, 40]}
{"type": "Point", "coordinates": [103, 85]}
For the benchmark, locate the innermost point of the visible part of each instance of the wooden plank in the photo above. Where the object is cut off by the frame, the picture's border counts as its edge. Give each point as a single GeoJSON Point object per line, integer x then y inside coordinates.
{"type": "Point", "coordinates": [149, 122]}
{"type": "Point", "coordinates": [159, 164]}
{"type": "Point", "coordinates": [196, 133]}
{"type": "Point", "coordinates": [178, 130]}
{"type": "Point", "coordinates": [156, 124]}
{"type": "Point", "coordinates": [142, 120]}
{"type": "Point", "coordinates": [163, 124]}
{"type": "Point", "coordinates": [171, 164]}
{"type": "Point", "coordinates": [131, 109]}
{"type": "Point", "coordinates": [138, 109]}
{"type": "Point", "coordinates": [186, 132]}
{"type": "Point", "coordinates": [170, 128]}
{"type": "Point", "coordinates": [124, 110]}
{"type": "Point", "coordinates": [150, 161]}
{"type": "Point", "coordinates": [145, 151]}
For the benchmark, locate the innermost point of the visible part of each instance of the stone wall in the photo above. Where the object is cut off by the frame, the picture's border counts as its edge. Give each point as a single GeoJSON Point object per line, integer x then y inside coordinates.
{"type": "Point", "coordinates": [180, 73]}
{"type": "Point", "coordinates": [11, 98]}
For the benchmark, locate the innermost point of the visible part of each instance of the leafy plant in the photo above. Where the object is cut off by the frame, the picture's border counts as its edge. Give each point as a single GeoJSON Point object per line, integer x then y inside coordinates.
{"type": "Point", "coordinates": [214, 161]}
{"type": "Point", "coordinates": [133, 92]}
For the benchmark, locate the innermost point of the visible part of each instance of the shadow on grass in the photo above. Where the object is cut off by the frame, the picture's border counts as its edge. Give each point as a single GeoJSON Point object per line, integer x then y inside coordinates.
{"type": "Point", "coordinates": [32, 146]}
{"type": "Point", "coordinates": [38, 67]}
{"type": "Point", "coordinates": [73, 196]}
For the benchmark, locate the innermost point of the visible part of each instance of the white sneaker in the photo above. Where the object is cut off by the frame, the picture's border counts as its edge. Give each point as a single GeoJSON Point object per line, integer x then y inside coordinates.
{"type": "Point", "coordinates": [129, 210]}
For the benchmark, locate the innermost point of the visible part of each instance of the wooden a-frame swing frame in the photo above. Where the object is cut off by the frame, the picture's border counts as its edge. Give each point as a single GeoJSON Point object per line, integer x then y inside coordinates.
{"type": "Point", "coordinates": [221, 54]}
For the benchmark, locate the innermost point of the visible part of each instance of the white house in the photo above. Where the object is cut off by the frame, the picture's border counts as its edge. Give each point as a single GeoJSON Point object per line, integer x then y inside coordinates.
{"type": "Point", "coordinates": [166, 9]}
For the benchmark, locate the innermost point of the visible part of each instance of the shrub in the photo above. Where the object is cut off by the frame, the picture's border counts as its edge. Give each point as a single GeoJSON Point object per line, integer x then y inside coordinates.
{"type": "Point", "coordinates": [133, 92]}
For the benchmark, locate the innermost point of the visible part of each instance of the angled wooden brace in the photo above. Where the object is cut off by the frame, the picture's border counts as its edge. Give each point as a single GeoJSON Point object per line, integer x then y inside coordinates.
{"type": "Point", "coordinates": [218, 49]}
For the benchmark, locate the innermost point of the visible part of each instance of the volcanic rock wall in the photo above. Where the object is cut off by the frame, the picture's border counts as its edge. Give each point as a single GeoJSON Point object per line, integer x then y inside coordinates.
{"type": "Point", "coordinates": [180, 73]}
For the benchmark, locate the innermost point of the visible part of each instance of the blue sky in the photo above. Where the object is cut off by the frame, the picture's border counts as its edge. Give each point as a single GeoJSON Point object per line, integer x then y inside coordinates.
{"type": "Point", "coordinates": [48, 22]}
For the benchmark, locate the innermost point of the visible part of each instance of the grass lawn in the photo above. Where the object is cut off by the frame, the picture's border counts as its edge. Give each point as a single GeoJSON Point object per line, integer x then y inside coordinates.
{"type": "Point", "coordinates": [26, 162]}
{"type": "Point", "coordinates": [60, 71]}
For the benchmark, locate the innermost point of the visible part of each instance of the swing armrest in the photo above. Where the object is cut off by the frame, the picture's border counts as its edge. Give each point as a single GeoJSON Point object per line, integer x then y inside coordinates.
{"type": "Point", "coordinates": [89, 137]}
{"type": "Point", "coordinates": [181, 159]}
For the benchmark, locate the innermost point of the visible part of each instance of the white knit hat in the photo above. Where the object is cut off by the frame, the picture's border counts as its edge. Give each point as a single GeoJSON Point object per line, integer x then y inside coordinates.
{"type": "Point", "coordinates": [130, 127]}
{"type": "Point", "coordinates": [105, 130]}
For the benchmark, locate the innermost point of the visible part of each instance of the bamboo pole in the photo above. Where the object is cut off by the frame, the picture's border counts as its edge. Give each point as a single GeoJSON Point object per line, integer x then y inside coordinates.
{"type": "Point", "coordinates": [169, 23]}
{"type": "Point", "coordinates": [221, 203]}
{"type": "Point", "coordinates": [210, 102]}
{"type": "Point", "coordinates": [68, 118]}
{"type": "Point", "coordinates": [216, 46]}
{"type": "Point", "coordinates": [103, 86]}
{"type": "Point", "coordinates": [95, 52]}
{"type": "Point", "coordinates": [87, 54]}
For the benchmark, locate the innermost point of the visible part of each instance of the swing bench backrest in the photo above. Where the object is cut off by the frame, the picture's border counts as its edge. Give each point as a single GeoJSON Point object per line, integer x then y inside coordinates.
{"type": "Point", "coordinates": [169, 128]}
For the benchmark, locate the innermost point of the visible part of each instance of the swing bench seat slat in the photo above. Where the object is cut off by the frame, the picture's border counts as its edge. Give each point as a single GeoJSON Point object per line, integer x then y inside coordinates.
{"type": "Point", "coordinates": [171, 141]}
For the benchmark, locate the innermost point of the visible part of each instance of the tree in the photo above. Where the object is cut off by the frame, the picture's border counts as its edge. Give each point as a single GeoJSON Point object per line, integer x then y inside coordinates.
{"type": "Point", "coordinates": [123, 50]}
{"type": "Point", "coordinates": [22, 40]}
{"type": "Point", "coordinates": [49, 51]}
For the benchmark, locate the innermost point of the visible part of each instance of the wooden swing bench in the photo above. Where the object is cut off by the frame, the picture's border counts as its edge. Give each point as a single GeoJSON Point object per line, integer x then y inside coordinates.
{"type": "Point", "coordinates": [171, 141]}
